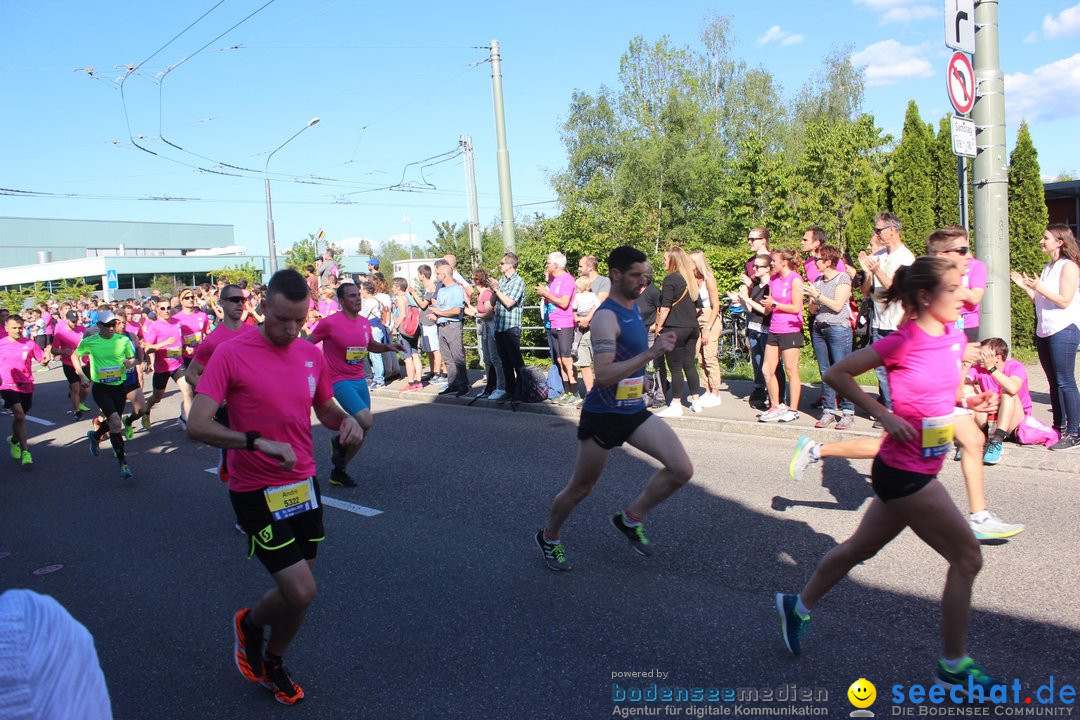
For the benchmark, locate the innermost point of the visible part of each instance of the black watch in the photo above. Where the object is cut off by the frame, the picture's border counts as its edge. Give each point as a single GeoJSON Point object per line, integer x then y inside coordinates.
{"type": "Point", "coordinates": [251, 436]}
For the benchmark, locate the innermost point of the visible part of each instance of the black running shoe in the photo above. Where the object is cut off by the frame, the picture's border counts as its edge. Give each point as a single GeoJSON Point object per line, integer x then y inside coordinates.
{"type": "Point", "coordinates": [278, 681]}
{"type": "Point", "coordinates": [337, 453]}
{"type": "Point", "coordinates": [247, 647]}
{"type": "Point", "coordinates": [554, 553]}
{"type": "Point", "coordinates": [634, 533]}
{"type": "Point", "coordinates": [92, 439]}
{"type": "Point", "coordinates": [341, 478]}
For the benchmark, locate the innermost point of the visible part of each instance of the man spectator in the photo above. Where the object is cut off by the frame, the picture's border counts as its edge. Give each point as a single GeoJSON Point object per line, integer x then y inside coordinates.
{"type": "Point", "coordinates": [450, 312]}
{"type": "Point", "coordinates": [328, 269]}
{"type": "Point", "coordinates": [995, 372]}
{"type": "Point", "coordinates": [558, 295]}
{"type": "Point", "coordinates": [373, 265]}
{"type": "Point", "coordinates": [880, 270]}
{"type": "Point", "coordinates": [451, 260]}
{"type": "Point", "coordinates": [758, 239]}
{"type": "Point", "coordinates": [509, 294]}
{"type": "Point", "coordinates": [424, 296]}
{"type": "Point", "coordinates": [311, 279]}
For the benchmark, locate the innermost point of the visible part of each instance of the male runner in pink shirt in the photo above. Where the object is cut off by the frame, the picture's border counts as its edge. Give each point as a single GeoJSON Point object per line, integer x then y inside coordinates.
{"type": "Point", "coordinates": [272, 481]}
{"type": "Point", "coordinates": [17, 356]}
{"type": "Point", "coordinates": [165, 338]}
{"type": "Point", "coordinates": [66, 337]}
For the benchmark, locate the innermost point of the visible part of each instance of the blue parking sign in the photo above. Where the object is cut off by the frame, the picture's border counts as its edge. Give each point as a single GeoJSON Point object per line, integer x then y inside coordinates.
{"type": "Point", "coordinates": [111, 279]}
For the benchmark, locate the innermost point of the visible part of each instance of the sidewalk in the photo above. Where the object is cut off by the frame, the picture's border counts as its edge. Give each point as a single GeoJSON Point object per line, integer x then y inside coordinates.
{"type": "Point", "coordinates": [736, 416]}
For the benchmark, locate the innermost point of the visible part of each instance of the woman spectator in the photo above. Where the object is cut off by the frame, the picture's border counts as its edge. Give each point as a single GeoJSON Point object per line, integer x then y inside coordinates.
{"type": "Point", "coordinates": [484, 312]}
{"type": "Point", "coordinates": [411, 354]}
{"type": "Point", "coordinates": [831, 337]}
{"type": "Point", "coordinates": [709, 327]}
{"type": "Point", "coordinates": [678, 314]}
{"type": "Point", "coordinates": [751, 295]}
{"type": "Point", "coordinates": [785, 307]}
{"type": "Point", "coordinates": [1057, 332]}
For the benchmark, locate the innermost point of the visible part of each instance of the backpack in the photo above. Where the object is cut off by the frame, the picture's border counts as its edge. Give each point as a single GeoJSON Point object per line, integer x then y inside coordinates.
{"type": "Point", "coordinates": [533, 385]}
{"type": "Point", "coordinates": [410, 325]}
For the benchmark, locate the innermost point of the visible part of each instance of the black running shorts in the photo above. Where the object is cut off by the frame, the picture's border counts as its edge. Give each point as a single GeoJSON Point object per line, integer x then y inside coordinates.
{"type": "Point", "coordinates": [889, 483]}
{"type": "Point", "coordinates": [14, 397]}
{"type": "Point", "coordinates": [785, 341]}
{"type": "Point", "coordinates": [161, 379]}
{"type": "Point", "coordinates": [610, 430]}
{"type": "Point", "coordinates": [70, 374]}
{"type": "Point", "coordinates": [278, 543]}
{"type": "Point", "coordinates": [109, 398]}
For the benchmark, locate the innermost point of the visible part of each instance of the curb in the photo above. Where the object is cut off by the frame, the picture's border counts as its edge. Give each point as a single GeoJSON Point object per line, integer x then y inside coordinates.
{"type": "Point", "coordinates": [1028, 458]}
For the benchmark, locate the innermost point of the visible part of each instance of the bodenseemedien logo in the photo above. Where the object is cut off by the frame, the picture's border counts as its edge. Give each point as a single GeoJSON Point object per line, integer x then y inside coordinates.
{"type": "Point", "coordinates": [862, 694]}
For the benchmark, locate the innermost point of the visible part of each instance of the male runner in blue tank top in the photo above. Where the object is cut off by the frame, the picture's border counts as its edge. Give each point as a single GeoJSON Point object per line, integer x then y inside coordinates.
{"type": "Point", "coordinates": [614, 412]}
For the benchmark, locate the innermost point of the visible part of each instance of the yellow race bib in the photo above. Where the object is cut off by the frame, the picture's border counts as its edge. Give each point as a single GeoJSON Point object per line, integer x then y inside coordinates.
{"type": "Point", "coordinates": [937, 436]}
{"type": "Point", "coordinates": [630, 389]}
{"type": "Point", "coordinates": [355, 354]}
{"type": "Point", "coordinates": [285, 501]}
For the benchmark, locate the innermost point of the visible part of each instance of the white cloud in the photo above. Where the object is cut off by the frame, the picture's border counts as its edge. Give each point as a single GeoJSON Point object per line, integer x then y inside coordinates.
{"type": "Point", "coordinates": [1032, 37]}
{"type": "Point", "coordinates": [405, 239]}
{"type": "Point", "coordinates": [893, 11]}
{"type": "Point", "coordinates": [776, 34]}
{"type": "Point", "coordinates": [1050, 92]}
{"type": "Point", "coordinates": [1066, 23]}
{"type": "Point", "coordinates": [351, 244]}
{"type": "Point", "coordinates": [888, 62]}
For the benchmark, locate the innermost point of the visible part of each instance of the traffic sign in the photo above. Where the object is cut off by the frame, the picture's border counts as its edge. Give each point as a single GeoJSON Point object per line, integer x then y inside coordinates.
{"type": "Point", "coordinates": [960, 82]}
{"type": "Point", "coordinates": [112, 280]}
{"type": "Point", "coordinates": [960, 25]}
{"type": "Point", "coordinates": [963, 137]}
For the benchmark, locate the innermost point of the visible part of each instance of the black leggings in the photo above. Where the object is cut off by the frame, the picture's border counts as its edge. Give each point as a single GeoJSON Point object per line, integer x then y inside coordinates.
{"type": "Point", "coordinates": [682, 359]}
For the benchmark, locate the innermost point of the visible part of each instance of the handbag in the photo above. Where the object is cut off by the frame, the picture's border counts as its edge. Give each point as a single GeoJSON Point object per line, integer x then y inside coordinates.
{"type": "Point", "coordinates": [866, 314]}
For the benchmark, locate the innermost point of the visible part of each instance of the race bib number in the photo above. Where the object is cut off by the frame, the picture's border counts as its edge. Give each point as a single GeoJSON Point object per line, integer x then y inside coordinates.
{"type": "Point", "coordinates": [355, 354]}
{"type": "Point", "coordinates": [193, 339]}
{"type": "Point", "coordinates": [937, 436]}
{"type": "Point", "coordinates": [173, 353]}
{"type": "Point", "coordinates": [630, 389]}
{"type": "Point", "coordinates": [288, 500]}
{"type": "Point", "coordinates": [112, 374]}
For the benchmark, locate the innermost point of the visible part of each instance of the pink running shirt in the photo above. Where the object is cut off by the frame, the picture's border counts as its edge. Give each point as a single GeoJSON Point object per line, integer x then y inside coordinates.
{"type": "Point", "coordinates": [17, 364]}
{"type": "Point", "coordinates": [780, 289]}
{"type": "Point", "coordinates": [196, 326]}
{"type": "Point", "coordinates": [924, 374]}
{"type": "Point", "coordinates": [1012, 367]}
{"type": "Point", "coordinates": [344, 345]}
{"type": "Point", "coordinates": [239, 374]}
{"type": "Point", "coordinates": [67, 339]}
{"type": "Point", "coordinates": [168, 358]}
{"type": "Point", "coordinates": [219, 335]}
{"type": "Point", "coordinates": [974, 278]}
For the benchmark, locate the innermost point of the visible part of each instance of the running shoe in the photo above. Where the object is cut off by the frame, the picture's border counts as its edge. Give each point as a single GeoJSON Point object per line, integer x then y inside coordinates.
{"type": "Point", "coordinates": [129, 431]}
{"type": "Point", "coordinates": [991, 527]}
{"type": "Point", "coordinates": [792, 625]}
{"type": "Point", "coordinates": [14, 447]}
{"type": "Point", "coordinates": [411, 387]}
{"type": "Point", "coordinates": [182, 423]}
{"type": "Point", "coordinates": [277, 680]}
{"type": "Point", "coordinates": [788, 416]}
{"type": "Point", "coordinates": [27, 461]}
{"type": "Point", "coordinates": [554, 553]}
{"type": "Point", "coordinates": [146, 422]}
{"type": "Point", "coordinates": [634, 533]}
{"type": "Point", "coordinates": [248, 647]}
{"type": "Point", "coordinates": [826, 419]}
{"type": "Point", "coordinates": [125, 471]}
{"type": "Point", "coordinates": [958, 454]}
{"type": "Point", "coordinates": [497, 395]}
{"type": "Point", "coordinates": [672, 410]}
{"type": "Point", "coordinates": [83, 408]}
{"type": "Point", "coordinates": [341, 478]}
{"type": "Point", "coordinates": [773, 414]}
{"type": "Point", "coordinates": [802, 457]}
{"type": "Point", "coordinates": [845, 423]}
{"type": "Point", "coordinates": [1067, 442]}
{"type": "Point", "coordinates": [967, 671]}
{"type": "Point", "coordinates": [337, 453]}
{"type": "Point", "coordinates": [708, 400]}
{"type": "Point", "coordinates": [992, 454]}
{"type": "Point", "coordinates": [78, 414]}
{"type": "Point", "coordinates": [93, 443]}
{"type": "Point", "coordinates": [223, 473]}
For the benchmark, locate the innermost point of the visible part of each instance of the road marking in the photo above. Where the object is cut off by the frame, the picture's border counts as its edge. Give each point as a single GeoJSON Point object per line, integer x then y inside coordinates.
{"type": "Point", "coordinates": [39, 421]}
{"type": "Point", "coordinates": [350, 507]}
{"type": "Point", "coordinates": [212, 471]}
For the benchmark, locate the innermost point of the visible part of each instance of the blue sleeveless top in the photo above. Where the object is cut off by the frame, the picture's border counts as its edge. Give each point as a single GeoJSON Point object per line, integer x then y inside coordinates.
{"type": "Point", "coordinates": [625, 397]}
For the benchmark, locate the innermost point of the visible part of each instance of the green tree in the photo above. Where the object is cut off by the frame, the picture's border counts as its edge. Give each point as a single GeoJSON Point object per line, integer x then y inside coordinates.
{"type": "Point", "coordinates": [72, 290]}
{"type": "Point", "coordinates": [167, 285]}
{"type": "Point", "coordinates": [946, 190]}
{"type": "Point", "coordinates": [1028, 218]}
{"type": "Point", "coordinates": [235, 273]}
{"type": "Point", "coordinates": [911, 191]}
{"type": "Point", "coordinates": [305, 252]}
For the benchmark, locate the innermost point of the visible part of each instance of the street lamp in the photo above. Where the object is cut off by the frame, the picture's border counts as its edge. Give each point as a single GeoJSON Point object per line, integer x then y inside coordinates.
{"type": "Point", "coordinates": [269, 212]}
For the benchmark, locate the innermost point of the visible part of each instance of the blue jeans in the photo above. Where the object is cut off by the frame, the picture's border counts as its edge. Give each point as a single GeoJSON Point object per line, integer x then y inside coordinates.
{"type": "Point", "coordinates": [376, 358]}
{"type": "Point", "coordinates": [757, 359]}
{"type": "Point", "coordinates": [882, 378]}
{"type": "Point", "coordinates": [832, 343]}
{"type": "Point", "coordinates": [1057, 355]}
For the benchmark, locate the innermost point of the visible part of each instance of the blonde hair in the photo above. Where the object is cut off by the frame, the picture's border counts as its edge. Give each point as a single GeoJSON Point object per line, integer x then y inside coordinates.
{"type": "Point", "coordinates": [676, 260]}
{"type": "Point", "coordinates": [701, 265]}
{"type": "Point", "coordinates": [583, 284]}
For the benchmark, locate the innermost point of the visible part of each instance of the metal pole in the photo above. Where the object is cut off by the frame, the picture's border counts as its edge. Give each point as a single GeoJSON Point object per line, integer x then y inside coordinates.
{"type": "Point", "coordinates": [991, 174]}
{"type": "Point", "coordinates": [269, 211]}
{"type": "Point", "coordinates": [961, 177]}
{"type": "Point", "coordinates": [506, 199]}
{"type": "Point", "coordinates": [470, 189]}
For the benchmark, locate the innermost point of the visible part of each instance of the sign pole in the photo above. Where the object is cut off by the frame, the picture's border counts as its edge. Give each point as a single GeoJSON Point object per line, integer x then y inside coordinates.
{"type": "Point", "coordinates": [991, 175]}
{"type": "Point", "coordinates": [961, 172]}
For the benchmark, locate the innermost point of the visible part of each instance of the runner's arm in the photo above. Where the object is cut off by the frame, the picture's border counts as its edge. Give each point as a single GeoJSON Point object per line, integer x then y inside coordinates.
{"type": "Point", "coordinates": [333, 417]}
{"type": "Point", "coordinates": [194, 372]}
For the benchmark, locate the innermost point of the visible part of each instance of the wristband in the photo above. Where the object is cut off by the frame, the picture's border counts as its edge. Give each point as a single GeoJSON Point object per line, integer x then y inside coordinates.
{"type": "Point", "coordinates": [250, 438]}
{"type": "Point", "coordinates": [992, 370]}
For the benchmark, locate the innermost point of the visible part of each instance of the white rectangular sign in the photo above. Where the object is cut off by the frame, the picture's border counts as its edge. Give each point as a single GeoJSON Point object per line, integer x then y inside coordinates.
{"type": "Point", "coordinates": [960, 25]}
{"type": "Point", "coordinates": [963, 137]}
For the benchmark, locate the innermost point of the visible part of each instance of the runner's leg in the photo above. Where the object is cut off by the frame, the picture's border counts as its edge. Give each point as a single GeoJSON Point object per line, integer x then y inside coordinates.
{"type": "Point", "coordinates": [591, 460]}
{"type": "Point", "coordinates": [656, 438]}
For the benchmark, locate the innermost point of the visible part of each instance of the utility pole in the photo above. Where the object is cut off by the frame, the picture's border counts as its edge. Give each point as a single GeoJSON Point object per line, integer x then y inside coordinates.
{"type": "Point", "coordinates": [506, 199]}
{"type": "Point", "coordinates": [991, 174]}
{"type": "Point", "coordinates": [465, 142]}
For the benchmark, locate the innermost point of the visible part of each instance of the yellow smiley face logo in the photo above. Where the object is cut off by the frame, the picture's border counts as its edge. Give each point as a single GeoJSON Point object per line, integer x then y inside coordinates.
{"type": "Point", "coordinates": [862, 693]}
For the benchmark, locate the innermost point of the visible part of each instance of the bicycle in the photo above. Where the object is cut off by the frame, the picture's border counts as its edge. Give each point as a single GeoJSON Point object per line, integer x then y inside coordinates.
{"type": "Point", "coordinates": [733, 346]}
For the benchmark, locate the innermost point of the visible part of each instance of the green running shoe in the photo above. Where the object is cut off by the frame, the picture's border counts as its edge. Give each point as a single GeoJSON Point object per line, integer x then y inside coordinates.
{"type": "Point", "coordinates": [634, 533]}
{"type": "Point", "coordinates": [792, 625]}
{"type": "Point", "coordinates": [967, 672]}
{"type": "Point", "coordinates": [554, 553]}
{"type": "Point", "coordinates": [14, 447]}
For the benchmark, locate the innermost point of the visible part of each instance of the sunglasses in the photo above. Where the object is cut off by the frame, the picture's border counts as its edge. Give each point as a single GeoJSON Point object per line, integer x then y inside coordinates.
{"type": "Point", "coordinates": [762, 267]}
{"type": "Point", "coordinates": [163, 307]}
{"type": "Point", "coordinates": [234, 298]}
{"type": "Point", "coordinates": [752, 238]}
{"type": "Point", "coordinates": [878, 231]}
{"type": "Point", "coordinates": [962, 250]}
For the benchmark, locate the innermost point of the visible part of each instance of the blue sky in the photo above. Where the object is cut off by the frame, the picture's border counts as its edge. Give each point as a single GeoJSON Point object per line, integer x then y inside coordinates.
{"type": "Point", "coordinates": [397, 83]}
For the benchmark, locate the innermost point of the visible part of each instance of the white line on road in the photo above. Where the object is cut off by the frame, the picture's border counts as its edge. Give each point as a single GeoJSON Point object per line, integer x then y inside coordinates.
{"type": "Point", "coordinates": [350, 507]}
{"type": "Point", "coordinates": [39, 421]}
{"type": "Point", "coordinates": [212, 471]}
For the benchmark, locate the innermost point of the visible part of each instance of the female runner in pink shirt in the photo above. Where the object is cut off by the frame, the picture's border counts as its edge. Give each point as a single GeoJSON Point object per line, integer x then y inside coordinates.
{"type": "Point", "coordinates": [922, 360]}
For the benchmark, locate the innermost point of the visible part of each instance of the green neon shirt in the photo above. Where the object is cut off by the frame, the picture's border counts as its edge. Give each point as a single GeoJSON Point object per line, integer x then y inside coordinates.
{"type": "Point", "coordinates": [106, 357]}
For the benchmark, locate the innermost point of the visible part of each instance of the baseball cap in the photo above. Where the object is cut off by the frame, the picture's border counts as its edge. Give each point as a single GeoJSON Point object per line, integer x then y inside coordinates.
{"type": "Point", "coordinates": [373, 262]}
{"type": "Point", "coordinates": [72, 316]}
{"type": "Point", "coordinates": [106, 317]}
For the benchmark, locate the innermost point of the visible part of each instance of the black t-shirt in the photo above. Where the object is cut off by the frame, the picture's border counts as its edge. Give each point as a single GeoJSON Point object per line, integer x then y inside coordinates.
{"type": "Point", "coordinates": [675, 295]}
{"type": "Point", "coordinates": [647, 303]}
{"type": "Point", "coordinates": [756, 292]}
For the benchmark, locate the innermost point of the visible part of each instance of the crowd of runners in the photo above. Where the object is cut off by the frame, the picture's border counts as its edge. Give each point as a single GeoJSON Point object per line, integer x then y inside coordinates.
{"type": "Point", "coordinates": [328, 341]}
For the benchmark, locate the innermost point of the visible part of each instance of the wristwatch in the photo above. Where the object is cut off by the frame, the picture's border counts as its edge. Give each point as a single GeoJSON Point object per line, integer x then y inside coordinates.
{"type": "Point", "coordinates": [992, 370]}
{"type": "Point", "coordinates": [251, 436]}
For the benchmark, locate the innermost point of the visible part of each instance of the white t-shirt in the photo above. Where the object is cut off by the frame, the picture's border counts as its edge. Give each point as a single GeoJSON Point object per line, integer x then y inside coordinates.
{"type": "Point", "coordinates": [887, 316]}
{"type": "Point", "coordinates": [584, 302]}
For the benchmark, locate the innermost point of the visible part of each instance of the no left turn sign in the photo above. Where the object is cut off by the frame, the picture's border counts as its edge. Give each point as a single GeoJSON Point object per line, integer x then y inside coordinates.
{"type": "Point", "coordinates": [960, 82]}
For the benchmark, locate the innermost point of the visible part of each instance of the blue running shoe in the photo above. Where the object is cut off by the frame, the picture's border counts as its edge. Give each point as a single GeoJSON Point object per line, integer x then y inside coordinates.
{"type": "Point", "coordinates": [93, 443]}
{"type": "Point", "coordinates": [992, 455]}
{"type": "Point", "coordinates": [792, 624]}
{"type": "Point", "coordinates": [125, 471]}
{"type": "Point", "coordinates": [967, 671]}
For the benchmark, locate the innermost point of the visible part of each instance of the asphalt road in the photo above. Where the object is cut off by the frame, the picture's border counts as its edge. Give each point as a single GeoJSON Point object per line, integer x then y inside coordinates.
{"type": "Point", "coordinates": [440, 606]}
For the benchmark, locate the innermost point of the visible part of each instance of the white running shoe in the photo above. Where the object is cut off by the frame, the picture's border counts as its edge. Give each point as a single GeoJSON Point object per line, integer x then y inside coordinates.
{"type": "Point", "coordinates": [788, 416]}
{"type": "Point", "coordinates": [802, 457]}
{"type": "Point", "coordinates": [991, 527]}
{"type": "Point", "coordinates": [773, 414]}
{"type": "Point", "coordinates": [672, 410]}
{"type": "Point", "coordinates": [697, 405]}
